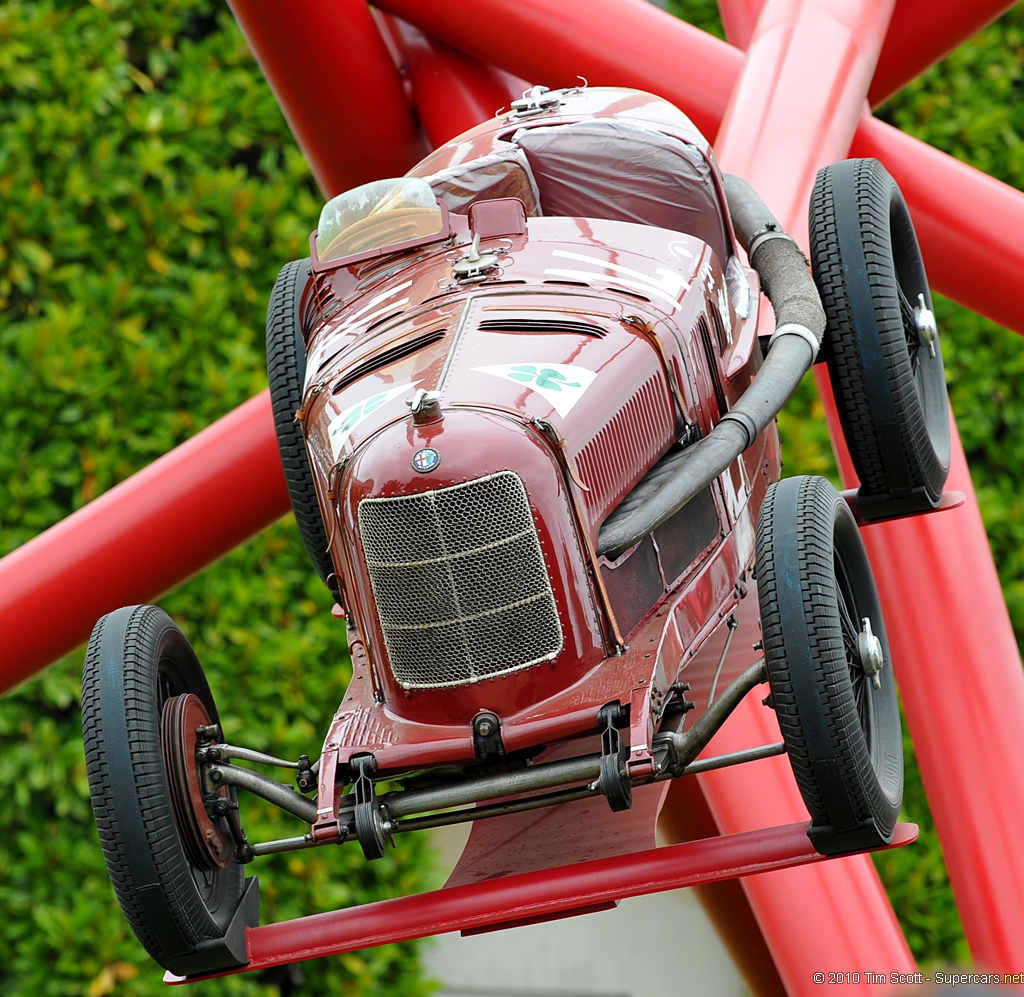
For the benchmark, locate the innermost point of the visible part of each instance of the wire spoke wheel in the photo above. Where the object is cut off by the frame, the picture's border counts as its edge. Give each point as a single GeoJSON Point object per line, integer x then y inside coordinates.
{"type": "Point", "coordinates": [912, 336]}
{"type": "Point", "coordinates": [881, 344]}
{"type": "Point", "coordinates": [144, 701]}
{"type": "Point", "coordinates": [828, 665]}
{"type": "Point", "coordinates": [851, 628]}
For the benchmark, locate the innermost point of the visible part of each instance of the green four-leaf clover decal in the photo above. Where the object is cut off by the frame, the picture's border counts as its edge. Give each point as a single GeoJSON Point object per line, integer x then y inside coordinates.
{"type": "Point", "coordinates": [545, 378]}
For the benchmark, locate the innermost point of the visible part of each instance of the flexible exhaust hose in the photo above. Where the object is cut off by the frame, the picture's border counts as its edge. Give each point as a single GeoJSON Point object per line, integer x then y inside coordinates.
{"type": "Point", "coordinates": [799, 327]}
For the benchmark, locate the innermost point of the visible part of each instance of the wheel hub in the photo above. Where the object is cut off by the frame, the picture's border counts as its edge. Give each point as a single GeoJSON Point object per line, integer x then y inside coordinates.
{"type": "Point", "coordinates": [872, 657]}
{"type": "Point", "coordinates": [207, 842]}
{"type": "Point", "coordinates": [927, 330]}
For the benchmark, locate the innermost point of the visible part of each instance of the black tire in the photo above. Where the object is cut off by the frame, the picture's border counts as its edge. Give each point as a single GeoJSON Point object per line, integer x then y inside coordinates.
{"type": "Point", "coordinates": [137, 663]}
{"type": "Point", "coordinates": [843, 736]}
{"type": "Point", "coordinates": [286, 368]}
{"type": "Point", "coordinates": [890, 391]}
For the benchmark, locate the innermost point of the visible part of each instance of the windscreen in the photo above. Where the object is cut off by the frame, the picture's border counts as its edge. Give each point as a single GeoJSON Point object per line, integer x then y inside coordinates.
{"type": "Point", "coordinates": [377, 215]}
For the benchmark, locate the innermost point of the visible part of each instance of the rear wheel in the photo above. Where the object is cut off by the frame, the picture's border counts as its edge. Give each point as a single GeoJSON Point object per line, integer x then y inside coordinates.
{"type": "Point", "coordinates": [286, 368]}
{"type": "Point", "coordinates": [828, 664]}
{"type": "Point", "coordinates": [144, 697]}
{"type": "Point", "coordinates": [881, 344]}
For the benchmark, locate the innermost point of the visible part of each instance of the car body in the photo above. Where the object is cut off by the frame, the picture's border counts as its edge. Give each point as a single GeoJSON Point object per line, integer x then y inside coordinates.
{"type": "Point", "coordinates": [597, 343]}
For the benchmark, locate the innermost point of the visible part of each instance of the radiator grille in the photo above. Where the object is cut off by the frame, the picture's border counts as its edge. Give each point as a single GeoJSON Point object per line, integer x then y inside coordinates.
{"type": "Point", "coordinates": [631, 441]}
{"type": "Point", "coordinates": [459, 581]}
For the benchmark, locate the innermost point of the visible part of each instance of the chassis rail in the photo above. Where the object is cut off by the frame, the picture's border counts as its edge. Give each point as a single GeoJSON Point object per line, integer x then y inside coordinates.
{"type": "Point", "coordinates": [472, 799]}
{"type": "Point", "coordinates": [531, 896]}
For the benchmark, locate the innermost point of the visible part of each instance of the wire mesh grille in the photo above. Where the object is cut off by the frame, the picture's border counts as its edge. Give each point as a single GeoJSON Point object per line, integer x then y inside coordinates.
{"type": "Point", "coordinates": [460, 583]}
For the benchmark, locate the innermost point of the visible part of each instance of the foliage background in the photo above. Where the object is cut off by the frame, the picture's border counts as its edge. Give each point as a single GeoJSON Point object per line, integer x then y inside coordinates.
{"type": "Point", "coordinates": [149, 193]}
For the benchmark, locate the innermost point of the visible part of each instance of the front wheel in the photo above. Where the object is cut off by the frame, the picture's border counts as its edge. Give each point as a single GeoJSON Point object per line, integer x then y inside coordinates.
{"type": "Point", "coordinates": [169, 849]}
{"type": "Point", "coordinates": [881, 343]}
{"type": "Point", "coordinates": [829, 666]}
{"type": "Point", "coordinates": [286, 368]}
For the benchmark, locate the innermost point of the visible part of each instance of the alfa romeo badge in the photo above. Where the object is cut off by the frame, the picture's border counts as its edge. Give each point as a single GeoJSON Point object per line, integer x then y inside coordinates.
{"type": "Point", "coordinates": [426, 459]}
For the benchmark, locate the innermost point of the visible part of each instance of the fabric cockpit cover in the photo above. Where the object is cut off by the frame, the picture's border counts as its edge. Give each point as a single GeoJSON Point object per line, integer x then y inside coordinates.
{"type": "Point", "coordinates": [625, 172]}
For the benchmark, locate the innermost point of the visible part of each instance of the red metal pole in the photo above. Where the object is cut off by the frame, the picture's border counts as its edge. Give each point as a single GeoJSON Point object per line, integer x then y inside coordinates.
{"type": "Point", "coordinates": [530, 896]}
{"type": "Point", "coordinates": [970, 239]}
{"type": "Point", "coordinates": [975, 784]}
{"type": "Point", "coordinates": [141, 538]}
{"type": "Point", "coordinates": [739, 18]}
{"type": "Point", "coordinates": [610, 42]}
{"type": "Point", "coordinates": [810, 917]}
{"type": "Point", "coordinates": [796, 104]}
{"type": "Point", "coordinates": [337, 86]}
{"type": "Point", "coordinates": [920, 34]}
{"type": "Point", "coordinates": [686, 816]}
{"type": "Point", "coordinates": [960, 679]}
{"type": "Point", "coordinates": [451, 91]}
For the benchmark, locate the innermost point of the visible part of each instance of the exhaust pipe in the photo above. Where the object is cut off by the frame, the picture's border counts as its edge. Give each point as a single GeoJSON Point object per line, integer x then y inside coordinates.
{"type": "Point", "coordinates": [793, 347]}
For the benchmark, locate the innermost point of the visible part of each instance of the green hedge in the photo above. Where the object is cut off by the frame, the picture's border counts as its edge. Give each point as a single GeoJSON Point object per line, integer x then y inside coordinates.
{"type": "Point", "coordinates": [149, 192]}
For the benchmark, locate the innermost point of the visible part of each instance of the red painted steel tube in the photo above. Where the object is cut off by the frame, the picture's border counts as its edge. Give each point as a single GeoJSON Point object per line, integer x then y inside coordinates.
{"type": "Point", "coordinates": [141, 538]}
{"type": "Point", "coordinates": [916, 38]}
{"type": "Point", "coordinates": [963, 697]}
{"type": "Point", "coordinates": [610, 42]}
{"type": "Point", "coordinates": [632, 43]}
{"type": "Point", "coordinates": [535, 895]}
{"type": "Point", "coordinates": [796, 104]}
{"type": "Point", "coordinates": [920, 34]}
{"type": "Point", "coordinates": [831, 904]}
{"type": "Point", "coordinates": [970, 241]}
{"type": "Point", "coordinates": [451, 91]}
{"type": "Point", "coordinates": [739, 18]}
{"type": "Point", "coordinates": [956, 620]}
{"type": "Point", "coordinates": [685, 816]}
{"type": "Point", "coordinates": [337, 86]}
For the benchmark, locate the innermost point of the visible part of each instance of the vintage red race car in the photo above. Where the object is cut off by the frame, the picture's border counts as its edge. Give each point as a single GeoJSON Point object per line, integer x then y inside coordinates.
{"type": "Point", "coordinates": [525, 400]}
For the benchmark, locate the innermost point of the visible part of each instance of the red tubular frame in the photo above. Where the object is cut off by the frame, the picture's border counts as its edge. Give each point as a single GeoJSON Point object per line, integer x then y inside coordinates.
{"type": "Point", "coordinates": [537, 896]}
{"type": "Point", "coordinates": [451, 91]}
{"type": "Point", "coordinates": [348, 112]}
{"type": "Point", "coordinates": [960, 679]}
{"type": "Point", "coordinates": [170, 511]}
{"type": "Point", "coordinates": [917, 38]}
{"type": "Point", "coordinates": [795, 105]}
{"type": "Point", "coordinates": [609, 42]}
